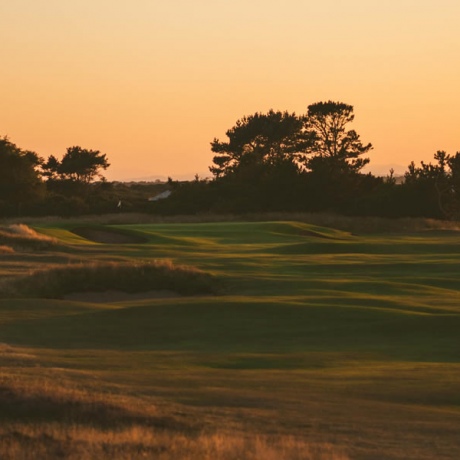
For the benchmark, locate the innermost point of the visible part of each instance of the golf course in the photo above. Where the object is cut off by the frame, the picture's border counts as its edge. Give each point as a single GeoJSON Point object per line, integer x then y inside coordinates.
{"type": "Point", "coordinates": [228, 340]}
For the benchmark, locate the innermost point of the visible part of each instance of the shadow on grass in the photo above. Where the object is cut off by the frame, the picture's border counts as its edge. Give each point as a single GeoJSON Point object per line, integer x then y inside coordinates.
{"type": "Point", "coordinates": [107, 235]}
{"type": "Point", "coordinates": [237, 325]}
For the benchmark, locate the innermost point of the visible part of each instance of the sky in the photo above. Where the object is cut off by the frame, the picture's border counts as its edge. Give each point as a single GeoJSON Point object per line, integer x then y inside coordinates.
{"type": "Point", "coordinates": [152, 82]}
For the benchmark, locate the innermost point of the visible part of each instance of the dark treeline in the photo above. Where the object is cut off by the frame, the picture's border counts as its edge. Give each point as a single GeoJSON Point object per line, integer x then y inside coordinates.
{"type": "Point", "coordinates": [72, 186]}
{"type": "Point", "coordinates": [277, 161]}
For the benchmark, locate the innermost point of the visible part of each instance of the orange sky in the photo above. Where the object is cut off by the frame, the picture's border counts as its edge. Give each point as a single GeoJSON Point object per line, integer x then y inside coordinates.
{"type": "Point", "coordinates": [152, 82]}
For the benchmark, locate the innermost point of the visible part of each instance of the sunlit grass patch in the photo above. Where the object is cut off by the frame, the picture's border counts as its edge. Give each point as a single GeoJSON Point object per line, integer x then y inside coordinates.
{"type": "Point", "coordinates": [135, 276]}
{"type": "Point", "coordinates": [6, 249]}
{"type": "Point", "coordinates": [65, 236]}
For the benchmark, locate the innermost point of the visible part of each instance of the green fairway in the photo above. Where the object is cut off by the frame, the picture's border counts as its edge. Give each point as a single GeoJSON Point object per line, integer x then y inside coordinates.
{"type": "Point", "coordinates": [332, 337]}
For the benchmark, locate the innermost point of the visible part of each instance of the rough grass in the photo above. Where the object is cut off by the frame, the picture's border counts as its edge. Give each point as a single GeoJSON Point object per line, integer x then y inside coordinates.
{"type": "Point", "coordinates": [6, 250]}
{"type": "Point", "coordinates": [66, 420]}
{"type": "Point", "coordinates": [23, 237]}
{"type": "Point", "coordinates": [135, 442]}
{"type": "Point", "coordinates": [135, 276]}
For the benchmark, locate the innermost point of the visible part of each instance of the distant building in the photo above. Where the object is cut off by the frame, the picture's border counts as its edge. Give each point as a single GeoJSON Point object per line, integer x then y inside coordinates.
{"type": "Point", "coordinates": [160, 196]}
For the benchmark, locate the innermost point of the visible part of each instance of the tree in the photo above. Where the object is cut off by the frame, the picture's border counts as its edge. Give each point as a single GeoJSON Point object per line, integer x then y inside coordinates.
{"type": "Point", "coordinates": [282, 161]}
{"type": "Point", "coordinates": [333, 148]}
{"type": "Point", "coordinates": [435, 188]}
{"type": "Point", "coordinates": [268, 139]}
{"type": "Point", "coordinates": [19, 179]}
{"type": "Point", "coordinates": [79, 165]}
{"type": "Point", "coordinates": [50, 168]}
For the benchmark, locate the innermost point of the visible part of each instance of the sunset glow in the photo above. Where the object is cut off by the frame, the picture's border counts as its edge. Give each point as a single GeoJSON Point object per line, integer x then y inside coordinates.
{"type": "Point", "coordinates": [151, 83]}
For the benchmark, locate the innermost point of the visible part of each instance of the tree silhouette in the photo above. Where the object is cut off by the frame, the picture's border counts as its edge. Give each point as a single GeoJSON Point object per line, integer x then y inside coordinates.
{"type": "Point", "coordinates": [50, 168]}
{"type": "Point", "coordinates": [334, 148]}
{"type": "Point", "coordinates": [19, 179]}
{"type": "Point", "coordinates": [269, 139]}
{"type": "Point", "coordinates": [436, 186]}
{"type": "Point", "coordinates": [78, 165]}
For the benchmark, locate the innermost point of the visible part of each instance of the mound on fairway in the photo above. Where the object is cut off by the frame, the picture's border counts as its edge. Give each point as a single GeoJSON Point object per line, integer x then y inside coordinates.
{"type": "Point", "coordinates": [130, 277]}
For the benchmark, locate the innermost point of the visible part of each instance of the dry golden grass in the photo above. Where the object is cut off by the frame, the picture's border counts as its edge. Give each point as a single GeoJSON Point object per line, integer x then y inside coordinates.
{"type": "Point", "coordinates": [22, 236]}
{"type": "Point", "coordinates": [58, 413]}
{"type": "Point", "coordinates": [21, 230]}
{"type": "Point", "coordinates": [21, 442]}
{"type": "Point", "coordinates": [6, 250]}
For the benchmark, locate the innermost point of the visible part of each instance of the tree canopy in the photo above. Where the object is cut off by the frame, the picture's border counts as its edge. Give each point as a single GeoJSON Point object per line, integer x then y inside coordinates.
{"type": "Point", "coordinates": [78, 165]}
{"type": "Point", "coordinates": [83, 165]}
{"type": "Point", "coordinates": [19, 178]}
{"type": "Point", "coordinates": [437, 185]}
{"type": "Point", "coordinates": [333, 146]}
{"type": "Point", "coordinates": [318, 140]}
{"type": "Point", "coordinates": [270, 139]}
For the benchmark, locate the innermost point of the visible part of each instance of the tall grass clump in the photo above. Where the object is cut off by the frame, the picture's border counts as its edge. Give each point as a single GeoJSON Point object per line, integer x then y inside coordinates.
{"type": "Point", "coordinates": [128, 277]}
{"type": "Point", "coordinates": [22, 236]}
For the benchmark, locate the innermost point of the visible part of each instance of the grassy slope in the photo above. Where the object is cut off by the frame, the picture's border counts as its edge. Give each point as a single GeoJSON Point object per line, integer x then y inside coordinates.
{"type": "Point", "coordinates": [333, 337]}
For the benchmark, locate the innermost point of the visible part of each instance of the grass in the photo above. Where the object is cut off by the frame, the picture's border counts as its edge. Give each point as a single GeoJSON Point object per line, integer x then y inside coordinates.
{"type": "Point", "coordinates": [140, 442]}
{"type": "Point", "coordinates": [325, 345]}
{"type": "Point", "coordinates": [6, 249]}
{"type": "Point", "coordinates": [133, 276]}
{"type": "Point", "coordinates": [354, 224]}
{"type": "Point", "coordinates": [23, 237]}
{"type": "Point", "coordinates": [54, 413]}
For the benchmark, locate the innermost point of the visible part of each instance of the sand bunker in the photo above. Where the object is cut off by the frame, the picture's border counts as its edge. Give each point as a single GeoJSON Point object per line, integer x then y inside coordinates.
{"type": "Point", "coordinates": [108, 236]}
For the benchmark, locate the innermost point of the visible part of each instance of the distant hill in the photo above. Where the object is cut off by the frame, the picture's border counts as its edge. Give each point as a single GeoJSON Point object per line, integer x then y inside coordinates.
{"type": "Point", "coordinates": [384, 169]}
{"type": "Point", "coordinates": [162, 178]}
